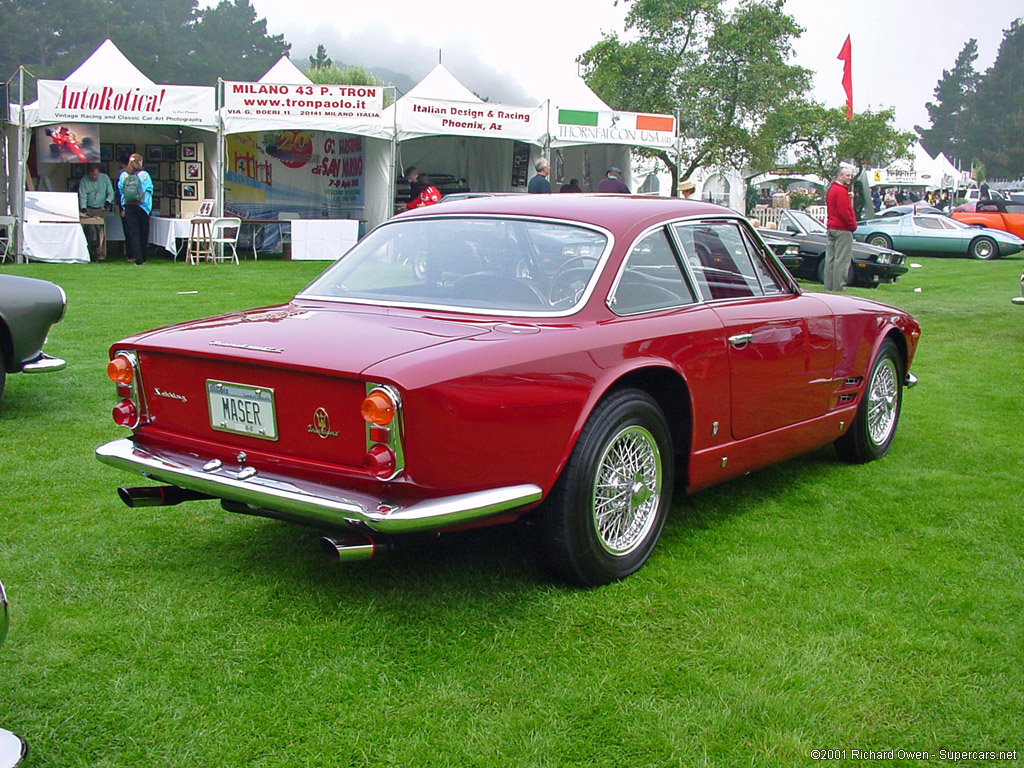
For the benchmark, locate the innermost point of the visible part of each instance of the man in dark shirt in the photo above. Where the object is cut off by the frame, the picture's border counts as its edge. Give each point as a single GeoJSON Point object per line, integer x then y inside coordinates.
{"type": "Point", "coordinates": [539, 184]}
{"type": "Point", "coordinates": [612, 182]}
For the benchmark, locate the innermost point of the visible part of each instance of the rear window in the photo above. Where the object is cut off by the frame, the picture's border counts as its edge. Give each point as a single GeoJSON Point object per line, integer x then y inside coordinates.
{"type": "Point", "coordinates": [492, 265]}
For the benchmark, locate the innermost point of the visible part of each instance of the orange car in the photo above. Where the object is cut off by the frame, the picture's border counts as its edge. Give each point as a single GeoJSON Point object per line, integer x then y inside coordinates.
{"type": "Point", "coordinates": [994, 214]}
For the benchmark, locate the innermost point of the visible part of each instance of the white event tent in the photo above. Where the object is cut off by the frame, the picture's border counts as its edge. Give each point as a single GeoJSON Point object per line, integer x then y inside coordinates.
{"type": "Point", "coordinates": [130, 109]}
{"type": "Point", "coordinates": [326, 127]}
{"type": "Point", "coordinates": [443, 127]}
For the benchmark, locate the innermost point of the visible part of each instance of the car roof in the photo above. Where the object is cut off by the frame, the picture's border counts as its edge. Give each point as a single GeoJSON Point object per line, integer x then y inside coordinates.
{"type": "Point", "coordinates": [616, 212]}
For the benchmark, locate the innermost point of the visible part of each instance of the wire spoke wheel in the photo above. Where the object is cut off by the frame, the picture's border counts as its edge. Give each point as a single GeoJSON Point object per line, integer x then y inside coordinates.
{"type": "Point", "coordinates": [873, 428]}
{"type": "Point", "coordinates": [626, 490]}
{"type": "Point", "coordinates": [606, 511]}
{"type": "Point", "coordinates": [883, 402]}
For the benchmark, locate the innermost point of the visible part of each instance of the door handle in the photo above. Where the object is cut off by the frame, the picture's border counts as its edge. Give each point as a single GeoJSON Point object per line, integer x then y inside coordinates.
{"type": "Point", "coordinates": [740, 340]}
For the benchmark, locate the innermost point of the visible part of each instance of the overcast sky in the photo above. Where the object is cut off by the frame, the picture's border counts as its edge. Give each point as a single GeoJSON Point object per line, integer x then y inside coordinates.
{"type": "Point", "coordinates": [518, 53]}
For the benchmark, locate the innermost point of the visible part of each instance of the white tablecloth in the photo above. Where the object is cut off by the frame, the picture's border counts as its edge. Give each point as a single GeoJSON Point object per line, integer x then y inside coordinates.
{"type": "Point", "coordinates": [43, 241]}
{"type": "Point", "coordinates": [326, 239]}
{"type": "Point", "coordinates": [162, 231]}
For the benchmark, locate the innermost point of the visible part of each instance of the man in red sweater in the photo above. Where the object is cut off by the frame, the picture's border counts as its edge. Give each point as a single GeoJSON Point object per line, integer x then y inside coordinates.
{"type": "Point", "coordinates": [841, 223]}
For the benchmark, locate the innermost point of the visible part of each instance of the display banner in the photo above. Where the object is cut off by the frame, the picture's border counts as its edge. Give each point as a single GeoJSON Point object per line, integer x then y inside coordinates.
{"type": "Point", "coordinates": [432, 117]}
{"type": "Point", "coordinates": [311, 174]}
{"type": "Point", "coordinates": [100, 103]}
{"type": "Point", "coordinates": [577, 126]}
{"type": "Point", "coordinates": [305, 101]}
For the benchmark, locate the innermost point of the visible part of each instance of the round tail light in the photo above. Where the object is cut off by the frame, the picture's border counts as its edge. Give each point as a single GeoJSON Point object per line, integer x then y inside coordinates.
{"type": "Point", "coordinates": [120, 370]}
{"type": "Point", "coordinates": [125, 414]}
{"type": "Point", "coordinates": [380, 461]}
{"type": "Point", "coordinates": [378, 408]}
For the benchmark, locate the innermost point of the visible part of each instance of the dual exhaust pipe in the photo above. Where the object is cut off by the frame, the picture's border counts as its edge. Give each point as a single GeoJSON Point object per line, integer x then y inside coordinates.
{"type": "Point", "coordinates": [345, 549]}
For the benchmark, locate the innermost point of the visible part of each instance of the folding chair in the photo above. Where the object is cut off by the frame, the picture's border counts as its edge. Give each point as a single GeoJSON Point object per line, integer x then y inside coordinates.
{"type": "Point", "coordinates": [225, 232]}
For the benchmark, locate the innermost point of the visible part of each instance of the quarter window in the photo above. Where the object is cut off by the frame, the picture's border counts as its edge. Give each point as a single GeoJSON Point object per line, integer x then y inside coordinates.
{"type": "Point", "coordinates": [651, 278]}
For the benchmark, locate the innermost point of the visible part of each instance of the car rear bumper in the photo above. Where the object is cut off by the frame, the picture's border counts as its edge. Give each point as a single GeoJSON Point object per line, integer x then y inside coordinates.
{"type": "Point", "coordinates": [44, 364]}
{"type": "Point", "coordinates": [270, 495]}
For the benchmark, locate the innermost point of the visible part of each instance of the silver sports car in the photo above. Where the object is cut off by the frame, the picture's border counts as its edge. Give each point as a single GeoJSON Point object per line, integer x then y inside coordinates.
{"type": "Point", "coordinates": [28, 307]}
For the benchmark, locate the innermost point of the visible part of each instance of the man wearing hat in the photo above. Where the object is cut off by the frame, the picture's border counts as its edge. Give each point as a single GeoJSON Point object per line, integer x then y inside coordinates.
{"type": "Point", "coordinates": [612, 182]}
{"type": "Point", "coordinates": [687, 188]}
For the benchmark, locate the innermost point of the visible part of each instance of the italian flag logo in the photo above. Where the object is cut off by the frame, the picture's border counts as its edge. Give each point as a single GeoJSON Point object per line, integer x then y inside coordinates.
{"type": "Point", "coordinates": [627, 120]}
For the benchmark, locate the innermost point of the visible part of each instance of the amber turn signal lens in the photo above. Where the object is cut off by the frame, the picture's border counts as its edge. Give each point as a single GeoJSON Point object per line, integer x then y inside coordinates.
{"type": "Point", "coordinates": [120, 370]}
{"type": "Point", "coordinates": [378, 408]}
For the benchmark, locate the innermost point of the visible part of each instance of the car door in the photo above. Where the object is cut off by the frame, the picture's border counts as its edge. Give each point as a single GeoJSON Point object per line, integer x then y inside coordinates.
{"type": "Point", "coordinates": [780, 343]}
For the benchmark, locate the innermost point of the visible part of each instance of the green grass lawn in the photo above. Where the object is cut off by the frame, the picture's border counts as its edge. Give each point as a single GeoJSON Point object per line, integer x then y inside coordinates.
{"type": "Point", "coordinates": [813, 605]}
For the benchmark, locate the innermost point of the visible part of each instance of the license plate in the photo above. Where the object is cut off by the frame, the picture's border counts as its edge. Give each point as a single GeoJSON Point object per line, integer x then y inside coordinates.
{"type": "Point", "coordinates": [242, 409]}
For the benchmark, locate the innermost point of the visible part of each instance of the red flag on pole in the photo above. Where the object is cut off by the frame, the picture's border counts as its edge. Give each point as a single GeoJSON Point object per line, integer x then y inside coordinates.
{"type": "Point", "coordinates": [845, 56]}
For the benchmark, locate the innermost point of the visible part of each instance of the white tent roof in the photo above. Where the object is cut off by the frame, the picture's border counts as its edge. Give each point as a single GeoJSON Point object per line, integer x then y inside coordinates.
{"type": "Point", "coordinates": [441, 84]}
{"type": "Point", "coordinates": [576, 94]}
{"type": "Point", "coordinates": [285, 72]}
{"type": "Point", "coordinates": [108, 65]}
{"type": "Point", "coordinates": [105, 65]}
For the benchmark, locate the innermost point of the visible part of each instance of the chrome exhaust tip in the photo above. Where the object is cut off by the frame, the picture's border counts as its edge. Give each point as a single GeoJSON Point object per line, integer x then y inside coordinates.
{"type": "Point", "coordinates": [158, 496]}
{"type": "Point", "coordinates": [351, 549]}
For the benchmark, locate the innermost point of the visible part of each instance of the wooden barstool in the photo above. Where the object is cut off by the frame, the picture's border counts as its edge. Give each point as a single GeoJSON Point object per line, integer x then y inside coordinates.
{"type": "Point", "coordinates": [200, 241]}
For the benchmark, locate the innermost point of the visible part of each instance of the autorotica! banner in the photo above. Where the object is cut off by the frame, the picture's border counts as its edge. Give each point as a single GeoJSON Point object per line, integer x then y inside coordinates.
{"type": "Point", "coordinates": [103, 103]}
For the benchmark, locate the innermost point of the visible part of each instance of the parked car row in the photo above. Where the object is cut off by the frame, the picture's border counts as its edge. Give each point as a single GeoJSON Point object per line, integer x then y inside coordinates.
{"type": "Point", "coordinates": [870, 267]}
{"type": "Point", "coordinates": [931, 234]}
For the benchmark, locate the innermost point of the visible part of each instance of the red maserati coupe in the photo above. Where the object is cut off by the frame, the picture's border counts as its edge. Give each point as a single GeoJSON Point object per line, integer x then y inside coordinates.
{"type": "Point", "coordinates": [574, 358]}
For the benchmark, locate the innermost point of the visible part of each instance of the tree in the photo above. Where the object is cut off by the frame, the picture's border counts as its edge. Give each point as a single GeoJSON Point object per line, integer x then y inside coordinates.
{"type": "Point", "coordinates": [321, 60]}
{"type": "Point", "coordinates": [995, 122]}
{"type": "Point", "coordinates": [723, 74]}
{"type": "Point", "coordinates": [824, 138]}
{"type": "Point", "coordinates": [950, 110]}
{"type": "Point", "coordinates": [333, 74]}
{"type": "Point", "coordinates": [171, 41]}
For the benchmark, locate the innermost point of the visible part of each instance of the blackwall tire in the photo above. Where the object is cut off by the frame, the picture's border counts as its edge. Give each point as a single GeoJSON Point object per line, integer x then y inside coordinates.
{"type": "Point", "coordinates": [603, 518]}
{"type": "Point", "coordinates": [871, 433]}
{"type": "Point", "coordinates": [984, 249]}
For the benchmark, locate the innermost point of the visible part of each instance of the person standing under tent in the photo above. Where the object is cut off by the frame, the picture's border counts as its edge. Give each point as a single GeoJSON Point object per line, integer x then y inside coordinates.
{"type": "Point", "coordinates": [539, 184]}
{"type": "Point", "coordinates": [136, 191]}
{"type": "Point", "coordinates": [95, 198]}
{"type": "Point", "coordinates": [612, 183]}
{"type": "Point", "coordinates": [428, 193]}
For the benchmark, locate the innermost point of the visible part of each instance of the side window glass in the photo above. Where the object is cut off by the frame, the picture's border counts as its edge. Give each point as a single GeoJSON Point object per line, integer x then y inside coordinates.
{"type": "Point", "coordinates": [719, 259]}
{"type": "Point", "coordinates": [771, 283]}
{"type": "Point", "coordinates": [651, 278]}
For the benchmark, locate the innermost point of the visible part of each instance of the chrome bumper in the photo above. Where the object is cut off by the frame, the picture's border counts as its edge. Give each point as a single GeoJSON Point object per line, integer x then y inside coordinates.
{"type": "Point", "coordinates": [910, 380]}
{"type": "Point", "coordinates": [314, 503]}
{"type": "Point", "coordinates": [44, 364]}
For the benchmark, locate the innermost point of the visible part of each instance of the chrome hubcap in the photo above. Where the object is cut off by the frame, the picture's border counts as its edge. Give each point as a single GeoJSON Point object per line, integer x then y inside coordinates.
{"type": "Point", "coordinates": [883, 402]}
{"type": "Point", "coordinates": [983, 249]}
{"type": "Point", "coordinates": [626, 490]}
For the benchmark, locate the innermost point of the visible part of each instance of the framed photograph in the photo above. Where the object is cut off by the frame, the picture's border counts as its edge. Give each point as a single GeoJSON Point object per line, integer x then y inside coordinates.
{"type": "Point", "coordinates": [123, 151]}
{"type": "Point", "coordinates": [193, 171]}
{"type": "Point", "coordinates": [154, 153]}
{"type": "Point", "coordinates": [206, 207]}
{"type": "Point", "coordinates": [77, 171]}
{"type": "Point", "coordinates": [153, 169]}
{"type": "Point", "coordinates": [170, 153]}
{"type": "Point", "coordinates": [189, 151]}
{"type": "Point", "coordinates": [106, 153]}
{"type": "Point", "coordinates": [173, 175]}
{"type": "Point", "coordinates": [189, 190]}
